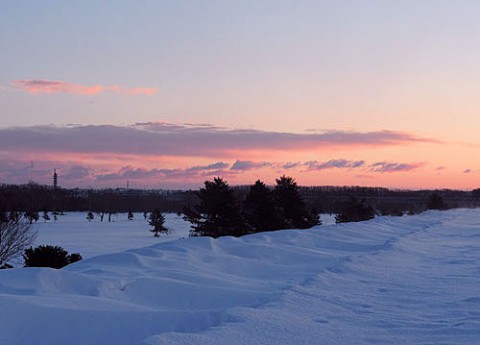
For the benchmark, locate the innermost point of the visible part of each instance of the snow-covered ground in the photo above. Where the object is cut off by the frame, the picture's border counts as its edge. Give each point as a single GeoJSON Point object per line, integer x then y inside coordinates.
{"type": "Point", "coordinates": [77, 235]}
{"type": "Point", "coordinates": [408, 280]}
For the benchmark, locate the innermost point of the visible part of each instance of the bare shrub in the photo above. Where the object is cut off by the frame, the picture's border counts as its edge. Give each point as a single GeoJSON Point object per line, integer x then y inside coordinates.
{"type": "Point", "coordinates": [15, 236]}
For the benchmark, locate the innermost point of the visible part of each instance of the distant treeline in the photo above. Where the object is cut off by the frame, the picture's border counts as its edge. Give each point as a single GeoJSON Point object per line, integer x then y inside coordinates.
{"type": "Point", "coordinates": [45, 198]}
{"type": "Point", "coordinates": [325, 199]}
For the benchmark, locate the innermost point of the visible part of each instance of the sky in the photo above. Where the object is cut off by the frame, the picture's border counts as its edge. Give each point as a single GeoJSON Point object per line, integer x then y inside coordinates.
{"type": "Point", "coordinates": [170, 93]}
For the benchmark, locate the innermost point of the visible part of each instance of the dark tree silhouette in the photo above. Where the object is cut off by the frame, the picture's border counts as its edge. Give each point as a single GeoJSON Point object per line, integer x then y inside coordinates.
{"type": "Point", "coordinates": [218, 213]}
{"type": "Point", "coordinates": [260, 209]}
{"type": "Point", "coordinates": [90, 216]}
{"type": "Point", "coordinates": [45, 216]}
{"type": "Point", "coordinates": [355, 211]}
{"type": "Point", "coordinates": [130, 215]}
{"type": "Point", "coordinates": [32, 215]}
{"type": "Point", "coordinates": [156, 219]}
{"type": "Point", "coordinates": [48, 256]}
{"type": "Point", "coordinates": [294, 210]}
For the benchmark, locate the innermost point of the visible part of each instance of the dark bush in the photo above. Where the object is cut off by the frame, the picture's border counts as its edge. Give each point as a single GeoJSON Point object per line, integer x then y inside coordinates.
{"type": "Point", "coordinates": [49, 256]}
{"type": "Point", "coordinates": [74, 257]}
{"type": "Point", "coordinates": [355, 211]}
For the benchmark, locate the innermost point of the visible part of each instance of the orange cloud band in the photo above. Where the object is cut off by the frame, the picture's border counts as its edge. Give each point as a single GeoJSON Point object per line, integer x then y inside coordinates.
{"type": "Point", "coordinates": [43, 86]}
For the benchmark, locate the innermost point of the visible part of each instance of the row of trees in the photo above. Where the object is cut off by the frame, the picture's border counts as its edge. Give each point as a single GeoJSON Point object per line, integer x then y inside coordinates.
{"type": "Point", "coordinates": [216, 212]}
{"type": "Point", "coordinates": [219, 213]}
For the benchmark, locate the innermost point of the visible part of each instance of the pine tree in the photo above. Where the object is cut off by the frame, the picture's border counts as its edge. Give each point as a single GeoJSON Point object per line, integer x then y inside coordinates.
{"type": "Point", "coordinates": [260, 210]}
{"type": "Point", "coordinates": [355, 211]}
{"type": "Point", "coordinates": [156, 219]}
{"type": "Point", "coordinates": [218, 213]}
{"type": "Point", "coordinates": [90, 216]}
{"type": "Point", "coordinates": [293, 208]}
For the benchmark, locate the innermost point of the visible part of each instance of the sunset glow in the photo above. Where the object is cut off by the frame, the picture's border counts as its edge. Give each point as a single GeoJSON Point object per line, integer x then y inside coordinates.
{"type": "Point", "coordinates": [169, 94]}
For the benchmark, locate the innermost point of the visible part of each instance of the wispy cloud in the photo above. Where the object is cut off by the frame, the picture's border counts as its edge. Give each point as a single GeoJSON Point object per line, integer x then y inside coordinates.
{"type": "Point", "coordinates": [43, 86]}
{"type": "Point", "coordinates": [77, 173]}
{"type": "Point", "coordinates": [388, 167]}
{"type": "Point", "coordinates": [139, 173]}
{"type": "Point", "coordinates": [290, 165]}
{"type": "Point", "coordinates": [249, 165]}
{"type": "Point", "coordinates": [335, 163]}
{"type": "Point", "coordinates": [213, 166]}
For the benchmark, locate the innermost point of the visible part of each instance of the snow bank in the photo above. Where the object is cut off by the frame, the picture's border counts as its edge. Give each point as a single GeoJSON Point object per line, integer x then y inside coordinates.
{"type": "Point", "coordinates": [386, 281]}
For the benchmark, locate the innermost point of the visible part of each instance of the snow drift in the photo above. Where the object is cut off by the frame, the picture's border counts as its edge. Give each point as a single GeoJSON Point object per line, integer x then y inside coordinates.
{"type": "Point", "coordinates": [386, 281]}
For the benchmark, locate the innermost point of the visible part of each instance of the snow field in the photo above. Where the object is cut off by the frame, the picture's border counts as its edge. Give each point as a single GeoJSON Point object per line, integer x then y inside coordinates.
{"type": "Point", "coordinates": [391, 280]}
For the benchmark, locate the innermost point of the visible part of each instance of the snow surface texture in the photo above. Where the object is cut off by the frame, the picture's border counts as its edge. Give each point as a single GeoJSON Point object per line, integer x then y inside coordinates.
{"type": "Point", "coordinates": [408, 280]}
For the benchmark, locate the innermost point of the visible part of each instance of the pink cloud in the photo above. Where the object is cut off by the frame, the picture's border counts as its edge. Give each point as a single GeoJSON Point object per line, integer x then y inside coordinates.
{"type": "Point", "coordinates": [387, 167]}
{"type": "Point", "coordinates": [39, 86]}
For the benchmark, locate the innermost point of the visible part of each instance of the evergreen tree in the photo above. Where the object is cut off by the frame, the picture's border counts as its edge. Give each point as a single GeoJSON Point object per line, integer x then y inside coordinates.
{"type": "Point", "coordinates": [90, 216]}
{"type": "Point", "coordinates": [294, 210]}
{"type": "Point", "coordinates": [260, 209]}
{"type": "Point", "coordinates": [218, 213]}
{"type": "Point", "coordinates": [130, 215]}
{"type": "Point", "coordinates": [355, 211]}
{"type": "Point", "coordinates": [156, 219]}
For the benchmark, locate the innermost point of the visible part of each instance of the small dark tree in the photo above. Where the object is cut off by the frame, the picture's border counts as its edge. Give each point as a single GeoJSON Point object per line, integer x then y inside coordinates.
{"type": "Point", "coordinates": [157, 220]}
{"type": "Point", "coordinates": [313, 217]}
{"type": "Point", "coordinates": [260, 210]}
{"type": "Point", "coordinates": [32, 215]}
{"type": "Point", "coordinates": [45, 216]}
{"type": "Point", "coordinates": [355, 211]}
{"type": "Point", "coordinates": [90, 216]}
{"type": "Point", "coordinates": [435, 202]}
{"type": "Point", "coordinates": [130, 215]}
{"type": "Point", "coordinates": [218, 213]}
{"type": "Point", "coordinates": [293, 208]}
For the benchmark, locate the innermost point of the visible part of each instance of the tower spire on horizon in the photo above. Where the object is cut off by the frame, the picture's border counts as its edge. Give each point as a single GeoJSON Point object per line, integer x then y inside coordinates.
{"type": "Point", "coordinates": [55, 179]}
